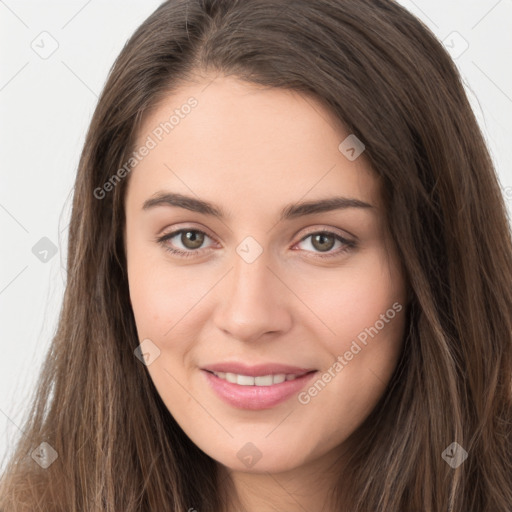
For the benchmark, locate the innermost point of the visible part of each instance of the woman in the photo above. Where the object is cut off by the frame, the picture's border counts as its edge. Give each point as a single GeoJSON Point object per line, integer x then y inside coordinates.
{"type": "Point", "coordinates": [209, 356]}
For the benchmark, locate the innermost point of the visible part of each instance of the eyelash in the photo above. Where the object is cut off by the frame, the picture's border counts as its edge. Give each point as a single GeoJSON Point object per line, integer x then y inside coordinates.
{"type": "Point", "coordinates": [348, 244]}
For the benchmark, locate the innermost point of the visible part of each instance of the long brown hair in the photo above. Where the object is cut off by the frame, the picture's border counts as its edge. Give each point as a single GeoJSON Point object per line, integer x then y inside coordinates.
{"type": "Point", "coordinates": [391, 83]}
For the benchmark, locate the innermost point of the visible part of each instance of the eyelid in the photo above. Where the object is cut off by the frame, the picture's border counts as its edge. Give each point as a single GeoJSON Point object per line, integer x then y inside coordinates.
{"type": "Point", "coordinates": [169, 230]}
{"type": "Point", "coordinates": [312, 230]}
{"type": "Point", "coordinates": [331, 231]}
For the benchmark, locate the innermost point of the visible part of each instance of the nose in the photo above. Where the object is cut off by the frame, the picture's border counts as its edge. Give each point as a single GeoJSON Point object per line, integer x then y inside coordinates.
{"type": "Point", "coordinates": [253, 301]}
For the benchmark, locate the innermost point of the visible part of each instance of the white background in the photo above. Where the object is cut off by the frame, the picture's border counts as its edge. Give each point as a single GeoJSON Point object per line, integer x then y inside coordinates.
{"type": "Point", "coordinates": [45, 108]}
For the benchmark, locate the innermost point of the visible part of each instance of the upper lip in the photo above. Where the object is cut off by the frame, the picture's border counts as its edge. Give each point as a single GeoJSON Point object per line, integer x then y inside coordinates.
{"type": "Point", "coordinates": [257, 370]}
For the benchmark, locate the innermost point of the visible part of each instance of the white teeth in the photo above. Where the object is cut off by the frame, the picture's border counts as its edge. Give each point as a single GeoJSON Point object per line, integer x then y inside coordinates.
{"type": "Point", "coordinates": [265, 380]}
{"type": "Point", "coordinates": [231, 377]}
{"type": "Point", "coordinates": [276, 379]}
{"type": "Point", "coordinates": [246, 380]}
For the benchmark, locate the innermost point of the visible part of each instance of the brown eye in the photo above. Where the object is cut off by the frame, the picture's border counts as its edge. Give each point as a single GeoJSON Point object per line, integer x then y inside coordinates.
{"type": "Point", "coordinates": [184, 242]}
{"type": "Point", "coordinates": [323, 241]}
{"type": "Point", "coordinates": [192, 239]}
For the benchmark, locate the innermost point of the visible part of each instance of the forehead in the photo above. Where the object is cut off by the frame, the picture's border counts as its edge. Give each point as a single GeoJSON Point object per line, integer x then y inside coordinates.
{"type": "Point", "coordinates": [223, 136]}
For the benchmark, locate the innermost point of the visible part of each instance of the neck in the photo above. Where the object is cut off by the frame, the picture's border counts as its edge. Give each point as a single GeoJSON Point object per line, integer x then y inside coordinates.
{"type": "Point", "coordinates": [309, 487]}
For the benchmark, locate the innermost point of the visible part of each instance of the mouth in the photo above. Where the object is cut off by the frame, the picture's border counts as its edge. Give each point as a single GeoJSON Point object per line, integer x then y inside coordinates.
{"type": "Point", "coordinates": [256, 392]}
{"type": "Point", "coordinates": [260, 380]}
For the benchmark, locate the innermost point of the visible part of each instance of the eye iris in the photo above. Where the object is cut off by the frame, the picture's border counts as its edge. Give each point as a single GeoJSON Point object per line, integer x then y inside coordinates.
{"type": "Point", "coordinates": [322, 237]}
{"type": "Point", "coordinates": [194, 237]}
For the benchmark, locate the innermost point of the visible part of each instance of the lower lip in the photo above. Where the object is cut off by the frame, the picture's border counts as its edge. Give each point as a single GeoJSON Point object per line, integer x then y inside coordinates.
{"type": "Point", "coordinates": [256, 397]}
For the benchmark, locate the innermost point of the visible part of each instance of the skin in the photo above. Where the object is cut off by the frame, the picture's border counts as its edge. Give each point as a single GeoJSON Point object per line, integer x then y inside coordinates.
{"type": "Point", "coordinates": [252, 150]}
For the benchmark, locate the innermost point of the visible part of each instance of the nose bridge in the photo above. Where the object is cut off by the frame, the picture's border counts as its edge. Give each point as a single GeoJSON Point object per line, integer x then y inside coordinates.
{"type": "Point", "coordinates": [250, 272]}
{"type": "Point", "coordinates": [250, 286]}
{"type": "Point", "coordinates": [250, 278]}
{"type": "Point", "coordinates": [250, 304]}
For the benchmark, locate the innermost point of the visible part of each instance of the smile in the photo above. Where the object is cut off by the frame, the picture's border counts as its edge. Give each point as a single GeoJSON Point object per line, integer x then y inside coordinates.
{"type": "Point", "coordinates": [256, 392]}
{"type": "Point", "coordinates": [247, 380]}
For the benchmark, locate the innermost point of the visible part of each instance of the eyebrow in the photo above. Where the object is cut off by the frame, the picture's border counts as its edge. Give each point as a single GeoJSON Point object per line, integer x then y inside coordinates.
{"type": "Point", "coordinates": [289, 212]}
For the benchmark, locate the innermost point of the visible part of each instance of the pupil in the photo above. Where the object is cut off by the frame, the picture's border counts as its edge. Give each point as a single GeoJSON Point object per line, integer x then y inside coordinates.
{"type": "Point", "coordinates": [323, 238]}
{"type": "Point", "coordinates": [194, 238]}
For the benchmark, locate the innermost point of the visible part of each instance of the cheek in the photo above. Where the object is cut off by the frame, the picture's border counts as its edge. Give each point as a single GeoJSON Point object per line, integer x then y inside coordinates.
{"type": "Point", "coordinates": [358, 299]}
{"type": "Point", "coordinates": [160, 295]}
{"type": "Point", "coordinates": [368, 317]}
{"type": "Point", "coordinates": [163, 302]}
{"type": "Point", "coordinates": [364, 309]}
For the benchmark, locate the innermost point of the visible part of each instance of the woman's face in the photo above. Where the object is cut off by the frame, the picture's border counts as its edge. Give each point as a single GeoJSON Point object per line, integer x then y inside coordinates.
{"type": "Point", "coordinates": [252, 177]}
